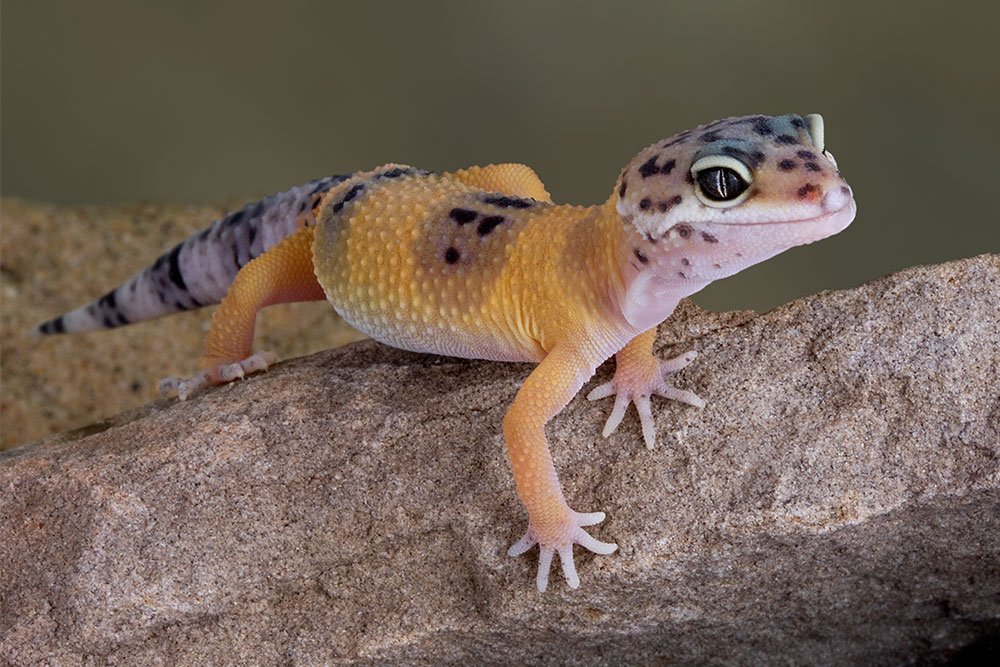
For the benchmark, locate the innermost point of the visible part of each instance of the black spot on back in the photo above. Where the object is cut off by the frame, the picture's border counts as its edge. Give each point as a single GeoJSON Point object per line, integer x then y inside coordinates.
{"type": "Point", "coordinates": [806, 155]}
{"type": "Point", "coordinates": [451, 255]}
{"type": "Point", "coordinates": [812, 166]}
{"type": "Point", "coordinates": [508, 202]}
{"type": "Point", "coordinates": [798, 122]}
{"type": "Point", "coordinates": [349, 196]}
{"type": "Point", "coordinates": [462, 215]}
{"type": "Point", "coordinates": [786, 165]}
{"type": "Point", "coordinates": [709, 238]}
{"type": "Point", "coordinates": [488, 224]}
{"type": "Point", "coordinates": [709, 137]}
{"type": "Point", "coordinates": [785, 139]}
{"type": "Point", "coordinates": [645, 203]}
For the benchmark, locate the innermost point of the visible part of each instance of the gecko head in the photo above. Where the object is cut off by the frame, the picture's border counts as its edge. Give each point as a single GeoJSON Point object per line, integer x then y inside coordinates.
{"type": "Point", "coordinates": [707, 203]}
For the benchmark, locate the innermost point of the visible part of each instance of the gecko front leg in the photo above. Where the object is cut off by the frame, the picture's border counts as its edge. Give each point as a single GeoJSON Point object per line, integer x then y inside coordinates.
{"type": "Point", "coordinates": [638, 375]}
{"type": "Point", "coordinates": [551, 523]}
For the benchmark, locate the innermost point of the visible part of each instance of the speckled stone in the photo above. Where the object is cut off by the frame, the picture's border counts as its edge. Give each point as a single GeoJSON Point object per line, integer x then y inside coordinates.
{"type": "Point", "coordinates": [837, 502]}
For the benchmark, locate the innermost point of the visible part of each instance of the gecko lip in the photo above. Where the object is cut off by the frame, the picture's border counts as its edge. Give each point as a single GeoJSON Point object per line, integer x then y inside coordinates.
{"type": "Point", "coordinates": [843, 215]}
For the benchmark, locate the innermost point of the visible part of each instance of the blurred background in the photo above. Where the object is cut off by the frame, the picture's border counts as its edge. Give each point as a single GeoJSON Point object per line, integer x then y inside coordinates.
{"type": "Point", "coordinates": [210, 103]}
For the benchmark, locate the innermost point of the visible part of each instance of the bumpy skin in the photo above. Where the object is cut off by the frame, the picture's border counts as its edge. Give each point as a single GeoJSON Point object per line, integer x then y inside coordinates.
{"type": "Point", "coordinates": [481, 264]}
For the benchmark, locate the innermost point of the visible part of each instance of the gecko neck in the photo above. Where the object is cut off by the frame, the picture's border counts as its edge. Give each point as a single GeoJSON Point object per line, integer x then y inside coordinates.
{"type": "Point", "coordinates": [642, 289]}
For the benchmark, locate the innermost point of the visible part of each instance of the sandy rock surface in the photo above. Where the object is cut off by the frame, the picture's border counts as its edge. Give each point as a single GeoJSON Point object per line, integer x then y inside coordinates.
{"type": "Point", "coordinates": [55, 258]}
{"type": "Point", "coordinates": [837, 502]}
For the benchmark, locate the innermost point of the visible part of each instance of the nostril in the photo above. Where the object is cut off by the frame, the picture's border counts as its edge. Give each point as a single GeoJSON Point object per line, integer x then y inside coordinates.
{"type": "Point", "coordinates": [836, 199]}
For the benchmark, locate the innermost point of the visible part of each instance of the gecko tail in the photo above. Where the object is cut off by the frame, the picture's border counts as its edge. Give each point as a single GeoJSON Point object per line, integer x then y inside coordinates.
{"type": "Point", "coordinates": [198, 271]}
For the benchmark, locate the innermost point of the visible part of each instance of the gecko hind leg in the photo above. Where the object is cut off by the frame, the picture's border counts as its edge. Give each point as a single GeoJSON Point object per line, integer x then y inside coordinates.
{"type": "Point", "coordinates": [219, 374]}
{"type": "Point", "coordinates": [283, 274]}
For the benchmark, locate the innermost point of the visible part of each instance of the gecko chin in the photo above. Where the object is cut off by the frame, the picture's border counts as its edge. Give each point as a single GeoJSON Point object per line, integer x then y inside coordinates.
{"type": "Point", "coordinates": [736, 246]}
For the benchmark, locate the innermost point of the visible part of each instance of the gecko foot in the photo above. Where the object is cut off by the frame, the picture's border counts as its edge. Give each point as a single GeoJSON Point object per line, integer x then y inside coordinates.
{"type": "Point", "coordinates": [563, 545]}
{"type": "Point", "coordinates": [637, 384]}
{"type": "Point", "coordinates": [214, 375]}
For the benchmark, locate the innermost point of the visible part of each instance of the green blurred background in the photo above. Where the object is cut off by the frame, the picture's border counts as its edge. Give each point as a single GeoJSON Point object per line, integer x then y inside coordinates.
{"type": "Point", "coordinates": [106, 102]}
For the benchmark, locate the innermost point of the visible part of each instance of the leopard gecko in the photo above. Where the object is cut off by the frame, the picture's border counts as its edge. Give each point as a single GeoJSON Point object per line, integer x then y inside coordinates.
{"type": "Point", "coordinates": [480, 263]}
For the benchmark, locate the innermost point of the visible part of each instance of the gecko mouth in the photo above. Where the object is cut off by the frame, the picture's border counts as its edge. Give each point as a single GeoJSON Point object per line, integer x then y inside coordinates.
{"type": "Point", "coordinates": [819, 226]}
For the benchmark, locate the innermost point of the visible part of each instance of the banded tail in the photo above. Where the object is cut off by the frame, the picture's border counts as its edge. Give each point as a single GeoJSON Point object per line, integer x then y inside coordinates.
{"type": "Point", "coordinates": [198, 271]}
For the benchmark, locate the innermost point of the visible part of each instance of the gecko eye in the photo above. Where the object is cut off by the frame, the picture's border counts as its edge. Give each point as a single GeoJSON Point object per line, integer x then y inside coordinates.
{"type": "Point", "coordinates": [722, 180]}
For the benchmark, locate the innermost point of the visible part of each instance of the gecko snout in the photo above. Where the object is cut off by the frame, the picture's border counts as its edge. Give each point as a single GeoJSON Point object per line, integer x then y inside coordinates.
{"type": "Point", "coordinates": [837, 198]}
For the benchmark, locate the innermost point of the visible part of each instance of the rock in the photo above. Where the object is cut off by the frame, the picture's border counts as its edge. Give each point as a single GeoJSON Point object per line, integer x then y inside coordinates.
{"type": "Point", "coordinates": [58, 257]}
{"type": "Point", "coordinates": [837, 502]}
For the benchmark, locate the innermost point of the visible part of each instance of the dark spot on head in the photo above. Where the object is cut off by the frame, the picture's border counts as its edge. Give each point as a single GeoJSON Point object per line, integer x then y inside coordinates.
{"type": "Point", "coordinates": [683, 231]}
{"type": "Point", "coordinates": [753, 160]}
{"type": "Point", "coordinates": [451, 255]}
{"type": "Point", "coordinates": [394, 173]}
{"type": "Point", "coordinates": [677, 139]}
{"type": "Point", "coordinates": [798, 122]}
{"type": "Point", "coordinates": [689, 178]}
{"type": "Point", "coordinates": [621, 190]}
{"type": "Point", "coordinates": [845, 190]}
{"type": "Point", "coordinates": [645, 203]}
{"type": "Point", "coordinates": [649, 168]}
{"type": "Point", "coordinates": [806, 155]}
{"type": "Point", "coordinates": [709, 137]}
{"type": "Point", "coordinates": [508, 202]}
{"type": "Point", "coordinates": [804, 191]}
{"type": "Point", "coordinates": [668, 166]}
{"type": "Point", "coordinates": [681, 274]}
{"type": "Point", "coordinates": [709, 238]}
{"type": "Point", "coordinates": [462, 215]}
{"type": "Point", "coordinates": [812, 166]}
{"type": "Point", "coordinates": [786, 165]}
{"type": "Point", "coordinates": [786, 139]}
{"type": "Point", "coordinates": [665, 206]}
{"type": "Point", "coordinates": [639, 256]}
{"type": "Point", "coordinates": [488, 224]}
{"type": "Point", "coordinates": [762, 127]}
{"type": "Point", "coordinates": [685, 261]}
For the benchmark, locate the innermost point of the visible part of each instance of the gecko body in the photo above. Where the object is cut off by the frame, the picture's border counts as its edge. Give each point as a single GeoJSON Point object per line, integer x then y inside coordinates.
{"type": "Point", "coordinates": [480, 263]}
